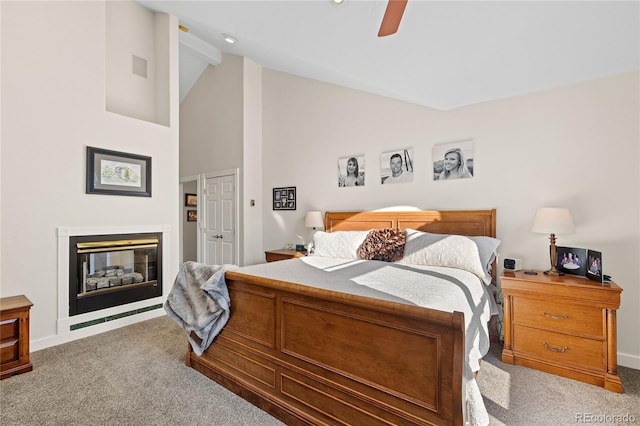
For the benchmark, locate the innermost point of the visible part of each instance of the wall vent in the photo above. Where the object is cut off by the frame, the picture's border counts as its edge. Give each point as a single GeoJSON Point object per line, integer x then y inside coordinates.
{"type": "Point", "coordinates": [139, 66]}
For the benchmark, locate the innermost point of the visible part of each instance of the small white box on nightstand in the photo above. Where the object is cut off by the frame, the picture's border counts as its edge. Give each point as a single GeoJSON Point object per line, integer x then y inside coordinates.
{"type": "Point", "coordinates": [512, 264]}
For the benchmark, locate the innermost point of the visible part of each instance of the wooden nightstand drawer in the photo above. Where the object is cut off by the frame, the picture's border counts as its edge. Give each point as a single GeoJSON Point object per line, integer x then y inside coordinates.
{"type": "Point", "coordinates": [9, 340]}
{"type": "Point", "coordinates": [558, 347]}
{"type": "Point", "coordinates": [563, 325]}
{"type": "Point", "coordinates": [9, 329]}
{"type": "Point", "coordinates": [14, 336]}
{"type": "Point", "coordinates": [559, 316]}
{"type": "Point", "coordinates": [9, 351]}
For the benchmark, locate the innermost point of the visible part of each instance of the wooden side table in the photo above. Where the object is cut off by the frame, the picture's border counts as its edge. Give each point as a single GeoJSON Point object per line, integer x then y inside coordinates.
{"type": "Point", "coordinates": [564, 325]}
{"type": "Point", "coordinates": [275, 255]}
{"type": "Point", "coordinates": [14, 336]}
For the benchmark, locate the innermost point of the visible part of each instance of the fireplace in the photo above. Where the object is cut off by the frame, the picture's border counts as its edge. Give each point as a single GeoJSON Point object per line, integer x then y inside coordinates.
{"type": "Point", "coordinates": [112, 270]}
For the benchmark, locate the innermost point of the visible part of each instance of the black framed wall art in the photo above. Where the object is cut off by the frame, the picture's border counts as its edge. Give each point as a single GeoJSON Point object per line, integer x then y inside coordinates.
{"type": "Point", "coordinates": [284, 198]}
{"type": "Point", "coordinates": [118, 173]}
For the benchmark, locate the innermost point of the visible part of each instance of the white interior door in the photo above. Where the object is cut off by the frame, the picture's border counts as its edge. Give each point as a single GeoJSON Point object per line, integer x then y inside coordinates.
{"type": "Point", "coordinates": [219, 220]}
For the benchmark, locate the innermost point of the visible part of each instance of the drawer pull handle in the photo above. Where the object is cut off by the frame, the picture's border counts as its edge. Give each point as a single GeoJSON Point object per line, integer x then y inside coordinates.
{"type": "Point", "coordinates": [555, 316]}
{"type": "Point", "coordinates": [552, 349]}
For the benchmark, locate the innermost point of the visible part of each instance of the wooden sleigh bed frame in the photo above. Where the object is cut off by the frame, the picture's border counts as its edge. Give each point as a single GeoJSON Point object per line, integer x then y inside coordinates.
{"type": "Point", "coordinates": [312, 356]}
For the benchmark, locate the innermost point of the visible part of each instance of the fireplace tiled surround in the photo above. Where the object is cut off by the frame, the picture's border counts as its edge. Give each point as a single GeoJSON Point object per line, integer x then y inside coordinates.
{"type": "Point", "coordinates": [86, 324]}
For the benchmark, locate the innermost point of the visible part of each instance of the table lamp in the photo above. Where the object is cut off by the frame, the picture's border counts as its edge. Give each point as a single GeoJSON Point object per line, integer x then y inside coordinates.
{"type": "Point", "coordinates": [314, 220]}
{"type": "Point", "coordinates": [551, 220]}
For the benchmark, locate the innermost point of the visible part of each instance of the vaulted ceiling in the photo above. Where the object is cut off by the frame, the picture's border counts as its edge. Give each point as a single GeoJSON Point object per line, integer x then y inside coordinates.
{"type": "Point", "coordinates": [446, 54]}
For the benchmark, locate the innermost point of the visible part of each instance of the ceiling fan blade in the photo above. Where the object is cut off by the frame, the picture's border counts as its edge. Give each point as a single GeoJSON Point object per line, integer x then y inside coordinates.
{"type": "Point", "coordinates": [392, 17]}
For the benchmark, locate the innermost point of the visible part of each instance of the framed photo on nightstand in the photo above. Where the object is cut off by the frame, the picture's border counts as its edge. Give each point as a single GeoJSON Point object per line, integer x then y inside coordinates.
{"type": "Point", "coordinates": [594, 265]}
{"type": "Point", "coordinates": [571, 260]}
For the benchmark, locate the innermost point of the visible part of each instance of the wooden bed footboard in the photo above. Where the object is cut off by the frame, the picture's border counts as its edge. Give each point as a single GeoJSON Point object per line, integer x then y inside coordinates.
{"type": "Point", "coordinates": [312, 356]}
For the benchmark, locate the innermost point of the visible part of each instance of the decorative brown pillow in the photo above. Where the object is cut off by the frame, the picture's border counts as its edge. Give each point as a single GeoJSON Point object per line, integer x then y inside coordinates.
{"type": "Point", "coordinates": [385, 244]}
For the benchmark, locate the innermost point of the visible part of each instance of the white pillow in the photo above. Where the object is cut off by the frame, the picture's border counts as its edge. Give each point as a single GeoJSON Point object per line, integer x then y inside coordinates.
{"type": "Point", "coordinates": [340, 244]}
{"type": "Point", "coordinates": [488, 248]}
{"type": "Point", "coordinates": [454, 251]}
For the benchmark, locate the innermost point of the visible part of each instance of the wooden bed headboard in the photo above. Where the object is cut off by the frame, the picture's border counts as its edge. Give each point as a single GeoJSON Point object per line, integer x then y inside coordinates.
{"type": "Point", "coordinates": [471, 223]}
{"type": "Point", "coordinates": [461, 222]}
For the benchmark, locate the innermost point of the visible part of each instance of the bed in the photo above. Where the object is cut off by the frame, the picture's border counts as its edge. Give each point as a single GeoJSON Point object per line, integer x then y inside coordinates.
{"type": "Point", "coordinates": [311, 354]}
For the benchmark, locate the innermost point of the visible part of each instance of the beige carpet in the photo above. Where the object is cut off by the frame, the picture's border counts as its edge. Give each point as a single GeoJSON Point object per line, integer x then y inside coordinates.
{"type": "Point", "coordinates": [136, 376]}
{"type": "Point", "coordinates": [131, 376]}
{"type": "Point", "coordinates": [517, 395]}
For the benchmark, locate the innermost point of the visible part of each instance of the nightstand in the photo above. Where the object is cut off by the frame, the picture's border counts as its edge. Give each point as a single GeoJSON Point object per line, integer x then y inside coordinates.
{"type": "Point", "coordinates": [275, 255]}
{"type": "Point", "coordinates": [14, 336]}
{"type": "Point", "coordinates": [564, 325]}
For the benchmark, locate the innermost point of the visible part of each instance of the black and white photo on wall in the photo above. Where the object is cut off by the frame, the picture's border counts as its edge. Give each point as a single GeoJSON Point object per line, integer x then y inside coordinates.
{"type": "Point", "coordinates": [284, 198]}
{"type": "Point", "coordinates": [396, 166]}
{"type": "Point", "coordinates": [351, 171]}
{"type": "Point", "coordinates": [594, 266]}
{"type": "Point", "coordinates": [453, 160]}
{"type": "Point", "coordinates": [571, 260]}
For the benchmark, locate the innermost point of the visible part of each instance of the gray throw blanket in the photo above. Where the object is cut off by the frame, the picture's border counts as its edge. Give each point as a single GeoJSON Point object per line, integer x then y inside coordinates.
{"type": "Point", "coordinates": [199, 302]}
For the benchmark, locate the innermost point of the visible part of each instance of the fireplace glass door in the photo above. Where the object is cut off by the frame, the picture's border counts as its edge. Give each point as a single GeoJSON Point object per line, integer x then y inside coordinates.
{"type": "Point", "coordinates": [104, 268]}
{"type": "Point", "coordinates": [112, 270]}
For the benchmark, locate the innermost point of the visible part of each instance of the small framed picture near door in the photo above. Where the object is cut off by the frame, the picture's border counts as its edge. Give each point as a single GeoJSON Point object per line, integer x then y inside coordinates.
{"type": "Point", "coordinates": [284, 198]}
{"type": "Point", "coordinates": [192, 215]}
{"type": "Point", "coordinates": [190, 200]}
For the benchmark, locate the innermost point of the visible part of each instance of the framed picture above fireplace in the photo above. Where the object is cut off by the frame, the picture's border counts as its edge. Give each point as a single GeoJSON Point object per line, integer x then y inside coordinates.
{"type": "Point", "coordinates": [118, 173]}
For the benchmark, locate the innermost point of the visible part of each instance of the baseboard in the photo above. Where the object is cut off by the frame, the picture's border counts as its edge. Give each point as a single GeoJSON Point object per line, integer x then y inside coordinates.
{"type": "Point", "coordinates": [627, 360]}
{"type": "Point", "coordinates": [46, 342]}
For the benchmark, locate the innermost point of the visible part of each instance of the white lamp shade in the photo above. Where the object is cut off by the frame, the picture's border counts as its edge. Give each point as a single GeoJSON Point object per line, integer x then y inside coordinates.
{"type": "Point", "coordinates": [550, 220]}
{"type": "Point", "coordinates": [314, 220]}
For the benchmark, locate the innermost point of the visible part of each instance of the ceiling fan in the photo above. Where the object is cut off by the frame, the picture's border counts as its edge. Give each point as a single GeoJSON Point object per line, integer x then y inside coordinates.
{"type": "Point", "coordinates": [392, 17]}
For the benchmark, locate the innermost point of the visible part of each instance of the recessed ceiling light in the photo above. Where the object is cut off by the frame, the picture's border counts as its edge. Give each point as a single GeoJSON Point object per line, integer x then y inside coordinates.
{"type": "Point", "coordinates": [338, 1]}
{"type": "Point", "coordinates": [228, 38]}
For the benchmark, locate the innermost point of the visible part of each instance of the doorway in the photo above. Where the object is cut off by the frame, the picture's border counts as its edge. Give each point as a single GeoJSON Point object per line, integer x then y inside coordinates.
{"type": "Point", "coordinates": [213, 237]}
{"type": "Point", "coordinates": [189, 244]}
{"type": "Point", "coordinates": [219, 235]}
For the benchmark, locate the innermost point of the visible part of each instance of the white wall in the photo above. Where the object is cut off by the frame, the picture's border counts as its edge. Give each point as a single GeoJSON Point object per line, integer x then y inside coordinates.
{"type": "Point", "coordinates": [1, 210]}
{"type": "Point", "coordinates": [211, 120]}
{"type": "Point", "coordinates": [53, 106]}
{"type": "Point", "coordinates": [221, 129]}
{"type": "Point", "coordinates": [575, 146]}
{"type": "Point", "coordinates": [252, 165]}
{"type": "Point", "coordinates": [127, 26]}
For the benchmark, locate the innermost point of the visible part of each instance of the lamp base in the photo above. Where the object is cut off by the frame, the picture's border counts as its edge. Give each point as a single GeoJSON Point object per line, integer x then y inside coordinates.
{"type": "Point", "coordinates": [554, 272]}
{"type": "Point", "coordinates": [552, 255]}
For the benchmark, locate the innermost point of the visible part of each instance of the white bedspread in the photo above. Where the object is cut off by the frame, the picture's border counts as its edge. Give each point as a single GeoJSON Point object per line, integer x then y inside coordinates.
{"type": "Point", "coordinates": [444, 289]}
